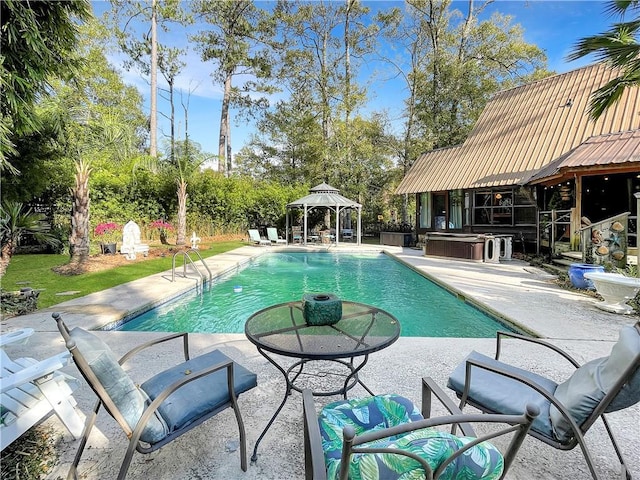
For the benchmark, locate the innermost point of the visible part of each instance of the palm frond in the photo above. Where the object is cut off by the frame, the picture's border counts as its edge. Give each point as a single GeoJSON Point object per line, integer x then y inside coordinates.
{"type": "Point", "coordinates": [619, 7]}
{"type": "Point", "coordinates": [609, 94]}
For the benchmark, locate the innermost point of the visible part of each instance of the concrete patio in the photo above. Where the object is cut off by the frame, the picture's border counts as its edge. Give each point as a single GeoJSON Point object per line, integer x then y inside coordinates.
{"type": "Point", "coordinates": [513, 290]}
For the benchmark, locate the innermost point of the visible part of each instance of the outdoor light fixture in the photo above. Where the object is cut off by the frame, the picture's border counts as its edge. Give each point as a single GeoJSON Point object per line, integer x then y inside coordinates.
{"type": "Point", "coordinates": [498, 196]}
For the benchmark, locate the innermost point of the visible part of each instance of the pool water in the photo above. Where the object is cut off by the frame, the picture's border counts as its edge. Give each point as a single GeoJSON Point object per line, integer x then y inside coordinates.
{"type": "Point", "coordinates": [423, 308]}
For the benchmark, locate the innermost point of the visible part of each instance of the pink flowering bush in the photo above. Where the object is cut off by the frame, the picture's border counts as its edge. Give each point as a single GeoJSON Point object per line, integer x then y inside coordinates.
{"type": "Point", "coordinates": [107, 232]}
{"type": "Point", "coordinates": [163, 227]}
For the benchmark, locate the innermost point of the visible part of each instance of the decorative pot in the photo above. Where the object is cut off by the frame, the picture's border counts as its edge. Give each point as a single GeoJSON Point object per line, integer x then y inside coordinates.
{"type": "Point", "coordinates": [615, 289]}
{"type": "Point", "coordinates": [108, 248]}
{"type": "Point", "coordinates": [576, 275]}
{"type": "Point", "coordinates": [321, 308]}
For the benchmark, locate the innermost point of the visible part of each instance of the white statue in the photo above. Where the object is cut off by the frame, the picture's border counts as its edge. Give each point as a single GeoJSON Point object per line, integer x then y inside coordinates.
{"type": "Point", "coordinates": [195, 240]}
{"type": "Point", "coordinates": [131, 242]}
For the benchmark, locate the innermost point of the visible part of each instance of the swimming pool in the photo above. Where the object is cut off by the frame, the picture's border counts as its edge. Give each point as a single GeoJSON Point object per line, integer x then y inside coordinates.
{"type": "Point", "coordinates": [423, 308]}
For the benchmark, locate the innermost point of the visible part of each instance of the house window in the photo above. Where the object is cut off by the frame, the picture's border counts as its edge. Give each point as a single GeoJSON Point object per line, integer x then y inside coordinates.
{"type": "Point", "coordinates": [425, 210]}
{"type": "Point", "coordinates": [493, 207]}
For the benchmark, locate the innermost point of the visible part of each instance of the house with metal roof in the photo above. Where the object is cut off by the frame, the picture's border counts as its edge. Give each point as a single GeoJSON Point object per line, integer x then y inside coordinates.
{"type": "Point", "coordinates": [535, 156]}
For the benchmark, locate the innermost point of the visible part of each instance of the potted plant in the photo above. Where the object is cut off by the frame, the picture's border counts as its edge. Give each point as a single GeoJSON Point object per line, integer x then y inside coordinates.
{"type": "Point", "coordinates": [108, 233]}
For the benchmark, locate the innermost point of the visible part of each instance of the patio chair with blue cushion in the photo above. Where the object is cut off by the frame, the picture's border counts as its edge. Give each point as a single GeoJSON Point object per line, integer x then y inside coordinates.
{"type": "Point", "coordinates": [296, 234]}
{"type": "Point", "coordinates": [385, 436]}
{"type": "Point", "coordinates": [254, 237]}
{"type": "Point", "coordinates": [568, 409]}
{"type": "Point", "coordinates": [165, 406]}
{"type": "Point", "coordinates": [272, 235]}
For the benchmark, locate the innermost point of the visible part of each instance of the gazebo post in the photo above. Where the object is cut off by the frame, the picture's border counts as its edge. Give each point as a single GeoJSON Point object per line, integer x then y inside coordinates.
{"type": "Point", "coordinates": [305, 225]}
{"type": "Point", "coordinates": [337, 224]}
{"type": "Point", "coordinates": [286, 225]}
{"type": "Point", "coordinates": [359, 224]}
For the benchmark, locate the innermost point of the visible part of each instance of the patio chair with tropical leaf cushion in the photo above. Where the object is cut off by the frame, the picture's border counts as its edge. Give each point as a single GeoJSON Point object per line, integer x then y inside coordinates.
{"type": "Point", "coordinates": [165, 406]}
{"type": "Point", "coordinates": [568, 409]}
{"type": "Point", "coordinates": [386, 437]}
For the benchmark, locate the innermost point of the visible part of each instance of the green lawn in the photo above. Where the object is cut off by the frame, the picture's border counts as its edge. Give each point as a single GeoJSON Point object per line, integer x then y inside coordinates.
{"type": "Point", "coordinates": [35, 271]}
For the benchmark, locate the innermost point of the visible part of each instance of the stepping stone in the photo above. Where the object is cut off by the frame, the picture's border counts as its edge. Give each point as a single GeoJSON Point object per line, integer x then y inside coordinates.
{"type": "Point", "coordinates": [70, 292]}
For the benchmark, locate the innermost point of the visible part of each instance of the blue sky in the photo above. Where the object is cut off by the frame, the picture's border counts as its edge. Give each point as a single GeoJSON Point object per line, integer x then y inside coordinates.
{"type": "Point", "coordinates": [554, 26]}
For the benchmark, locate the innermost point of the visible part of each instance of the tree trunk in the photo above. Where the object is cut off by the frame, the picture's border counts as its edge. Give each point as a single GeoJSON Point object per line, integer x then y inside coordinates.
{"type": "Point", "coordinates": [153, 135]}
{"type": "Point", "coordinates": [5, 256]}
{"type": "Point", "coordinates": [347, 82]}
{"type": "Point", "coordinates": [173, 122]}
{"type": "Point", "coordinates": [223, 162]}
{"type": "Point", "coordinates": [182, 212]}
{"type": "Point", "coordinates": [79, 239]}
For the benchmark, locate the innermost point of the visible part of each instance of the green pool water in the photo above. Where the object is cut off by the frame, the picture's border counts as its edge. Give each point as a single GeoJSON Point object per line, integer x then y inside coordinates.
{"type": "Point", "coordinates": [423, 308]}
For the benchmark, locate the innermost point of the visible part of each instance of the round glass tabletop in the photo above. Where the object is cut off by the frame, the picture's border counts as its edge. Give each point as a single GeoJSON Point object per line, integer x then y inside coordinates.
{"type": "Point", "coordinates": [282, 329]}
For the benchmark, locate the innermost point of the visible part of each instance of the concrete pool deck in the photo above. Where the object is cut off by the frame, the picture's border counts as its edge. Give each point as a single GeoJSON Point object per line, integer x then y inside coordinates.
{"type": "Point", "coordinates": [514, 290]}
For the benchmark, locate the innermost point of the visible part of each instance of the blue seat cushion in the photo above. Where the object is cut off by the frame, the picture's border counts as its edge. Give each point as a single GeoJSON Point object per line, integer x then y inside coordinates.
{"type": "Point", "coordinates": [200, 396]}
{"type": "Point", "coordinates": [500, 394]}
{"type": "Point", "coordinates": [482, 461]}
{"type": "Point", "coordinates": [126, 396]}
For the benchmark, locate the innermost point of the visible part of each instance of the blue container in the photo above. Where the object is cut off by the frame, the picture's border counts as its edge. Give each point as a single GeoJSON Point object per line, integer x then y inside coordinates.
{"type": "Point", "coordinates": [576, 275]}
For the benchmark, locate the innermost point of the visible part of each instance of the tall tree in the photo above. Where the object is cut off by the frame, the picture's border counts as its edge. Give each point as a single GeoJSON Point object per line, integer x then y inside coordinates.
{"type": "Point", "coordinates": [146, 52]}
{"type": "Point", "coordinates": [235, 39]}
{"type": "Point", "coordinates": [36, 39]}
{"type": "Point", "coordinates": [312, 61]}
{"type": "Point", "coordinates": [467, 62]}
{"type": "Point", "coordinates": [325, 44]}
{"type": "Point", "coordinates": [618, 46]}
{"type": "Point", "coordinates": [182, 166]}
{"type": "Point", "coordinates": [170, 65]}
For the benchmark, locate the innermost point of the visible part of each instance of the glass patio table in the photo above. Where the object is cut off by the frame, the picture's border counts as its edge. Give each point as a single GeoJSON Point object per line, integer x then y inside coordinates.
{"type": "Point", "coordinates": [281, 331]}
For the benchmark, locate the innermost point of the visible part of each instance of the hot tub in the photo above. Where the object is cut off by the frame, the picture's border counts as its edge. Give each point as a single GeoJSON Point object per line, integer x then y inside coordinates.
{"type": "Point", "coordinates": [468, 246]}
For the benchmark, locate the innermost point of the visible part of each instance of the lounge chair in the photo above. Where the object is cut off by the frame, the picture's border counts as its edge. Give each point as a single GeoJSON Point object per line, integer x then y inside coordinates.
{"type": "Point", "coordinates": [31, 389]}
{"type": "Point", "coordinates": [362, 438]}
{"type": "Point", "coordinates": [272, 235]}
{"type": "Point", "coordinates": [254, 237]}
{"type": "Point", "coordinates": [568, 409]}
{"type": "Point", "coordinates": [131, 242]}
{"type": "Point", "coordinates": [165, 406]}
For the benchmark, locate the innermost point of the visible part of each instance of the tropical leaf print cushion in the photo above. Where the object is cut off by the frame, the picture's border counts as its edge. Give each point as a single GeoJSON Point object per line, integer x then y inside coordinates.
{"type": "Point", "coordinates": [482, 461]}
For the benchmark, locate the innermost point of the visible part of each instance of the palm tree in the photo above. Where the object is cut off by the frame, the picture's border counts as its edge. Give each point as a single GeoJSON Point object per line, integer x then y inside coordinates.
{"type": "Point", "coordinates": [17, 223]}
{"type": "Point", "coordinates": [620, 48]}
{"type": "Point", "coordinates": [185, 162]}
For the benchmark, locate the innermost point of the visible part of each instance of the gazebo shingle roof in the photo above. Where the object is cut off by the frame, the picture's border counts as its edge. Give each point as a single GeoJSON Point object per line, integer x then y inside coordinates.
{"type": "Point", "coordinates": [324, 195]}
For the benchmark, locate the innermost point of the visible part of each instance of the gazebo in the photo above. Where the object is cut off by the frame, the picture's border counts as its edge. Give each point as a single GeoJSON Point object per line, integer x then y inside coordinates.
{"type": "Point", "coordinates": [326, 196]}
